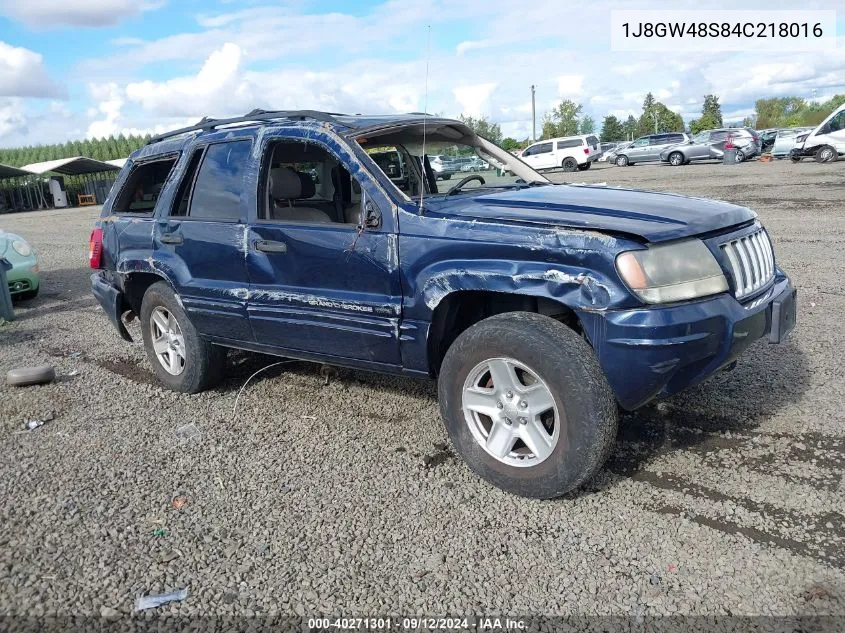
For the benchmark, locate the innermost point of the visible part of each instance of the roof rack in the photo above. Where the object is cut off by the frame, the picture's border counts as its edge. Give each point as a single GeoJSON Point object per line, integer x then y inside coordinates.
{"type": "Point", "coordinates": [207, 123]}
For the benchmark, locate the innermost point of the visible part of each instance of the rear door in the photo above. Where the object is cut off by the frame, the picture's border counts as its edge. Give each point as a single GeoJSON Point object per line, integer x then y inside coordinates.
{"type": "Point", "coordinates": [330, 288]}
{"type": "Point", "coordinates": [201, 240]}
{"type": "Point", "coordinates": [716, 148]}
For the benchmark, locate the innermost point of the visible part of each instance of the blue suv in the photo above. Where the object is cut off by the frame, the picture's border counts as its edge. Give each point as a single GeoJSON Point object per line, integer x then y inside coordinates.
{"type": "Point", "coordinates": [540, 308]}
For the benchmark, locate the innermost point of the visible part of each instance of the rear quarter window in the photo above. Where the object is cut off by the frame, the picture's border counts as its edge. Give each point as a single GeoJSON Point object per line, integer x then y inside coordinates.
{"type": "Point", "coordinates": [575, 142]}
{"type": "Point", "coordinates": [143, 186]}
{"type": "Point", "coordinates": [220, 182]}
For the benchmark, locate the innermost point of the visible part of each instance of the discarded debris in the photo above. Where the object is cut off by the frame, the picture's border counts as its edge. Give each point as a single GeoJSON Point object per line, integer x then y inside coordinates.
{"type": "Point", "coordinates": [241, 390]}
{"type": "Point", "coordinates": [74, 355]}
{"type": "Point", "coordinates": [188, 432]}
{"type": "Point", "coordinates": [27, 376]}
{"type": "Point", "coordinates": [73, 373]}
{"type": "Point", "coordinates": [179, 502]}
{"type": "Point", "coordinates": [40, 421]}
{"type": "Point", "coordinates": [160, 532]}
{"type": "Point", "coordinates": [151, 602]}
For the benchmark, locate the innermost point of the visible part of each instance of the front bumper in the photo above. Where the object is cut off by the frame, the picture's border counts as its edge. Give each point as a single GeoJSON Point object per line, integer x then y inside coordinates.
{"type": "Point", "coordinates": [648, 353]}
{"type": "Point", "coordinates": [111, 300]}
{"type": "Point", "coordinates": [22, 278]}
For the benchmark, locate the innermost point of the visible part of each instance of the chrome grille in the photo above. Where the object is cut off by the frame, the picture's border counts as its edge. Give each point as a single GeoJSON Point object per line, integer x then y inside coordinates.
{"type": "Point", "coordinates": [752, 262]}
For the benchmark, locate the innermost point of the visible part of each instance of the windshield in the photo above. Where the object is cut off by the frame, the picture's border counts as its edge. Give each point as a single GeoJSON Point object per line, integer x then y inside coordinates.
{"type": "Point", "coordinates": [451, 152]}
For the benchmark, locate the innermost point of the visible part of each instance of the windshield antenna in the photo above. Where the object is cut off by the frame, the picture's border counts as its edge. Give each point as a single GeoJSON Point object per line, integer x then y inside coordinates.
{"type": "Point", "coordinates": [425, 116]}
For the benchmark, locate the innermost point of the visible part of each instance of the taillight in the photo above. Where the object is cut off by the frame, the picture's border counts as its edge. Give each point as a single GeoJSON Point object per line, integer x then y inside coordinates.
{"type": "Point", "coordinates": [586, 150]}
{"type": "Point", "coordinates": [95, 249]}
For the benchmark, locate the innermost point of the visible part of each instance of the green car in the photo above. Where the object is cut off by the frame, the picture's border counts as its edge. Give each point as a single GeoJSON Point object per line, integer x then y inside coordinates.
{"type": "Point", "coordinates": [23, 278]}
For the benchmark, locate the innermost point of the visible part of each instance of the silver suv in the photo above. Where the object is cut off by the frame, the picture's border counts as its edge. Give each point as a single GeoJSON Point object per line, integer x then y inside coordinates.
{"type": "Point", "coordinates": [710, 145]}
{"type": "Point", "coordinates": [646, 149]}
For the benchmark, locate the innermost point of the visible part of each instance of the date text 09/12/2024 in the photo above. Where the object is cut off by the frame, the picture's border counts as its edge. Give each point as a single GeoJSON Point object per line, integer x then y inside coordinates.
{"type": "Point", "coordinates": [417, 624]}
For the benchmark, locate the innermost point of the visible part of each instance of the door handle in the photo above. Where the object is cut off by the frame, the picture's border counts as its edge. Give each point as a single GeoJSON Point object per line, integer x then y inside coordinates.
{"type": "Point", "coordinates": [171, 238]}
{"type": "Point", "coordinates": [267, 246]}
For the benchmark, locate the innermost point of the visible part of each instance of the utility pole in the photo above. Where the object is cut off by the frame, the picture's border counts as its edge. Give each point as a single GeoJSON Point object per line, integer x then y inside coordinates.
{"type": "Point", "coordinates": [533, 117]}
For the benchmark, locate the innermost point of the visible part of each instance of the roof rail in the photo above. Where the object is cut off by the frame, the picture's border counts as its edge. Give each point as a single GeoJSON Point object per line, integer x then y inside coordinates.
{"type": "Point", "coordinates": [207, 123]}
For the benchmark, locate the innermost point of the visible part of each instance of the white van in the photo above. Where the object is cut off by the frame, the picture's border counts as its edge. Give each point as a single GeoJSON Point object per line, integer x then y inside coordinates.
{"type": "Point", "coordinates": [826, 143]}
{"type": "Point", "coordinates": [570, 152]}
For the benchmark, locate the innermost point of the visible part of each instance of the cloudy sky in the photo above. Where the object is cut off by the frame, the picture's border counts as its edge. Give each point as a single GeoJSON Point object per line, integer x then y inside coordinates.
{"type": "Point", "coordinates": [81, 68]}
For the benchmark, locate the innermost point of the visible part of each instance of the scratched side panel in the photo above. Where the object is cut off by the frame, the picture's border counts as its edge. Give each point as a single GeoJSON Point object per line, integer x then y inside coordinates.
{"type": "Point", "coordinates": [440, 256]}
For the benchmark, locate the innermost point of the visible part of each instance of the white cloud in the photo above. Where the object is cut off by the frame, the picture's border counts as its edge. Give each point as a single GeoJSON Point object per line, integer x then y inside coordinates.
{"type": "Point", "coordinates": [45, 14]}
{"type": "Point", "coordinates": [570, 86]}
{"type": "Point", "coordinates": [12, 117]}
{"type": "Point", "coordinates": [474, 99]}
{"type": "Point", "coordinates": [22, 74]}
{"type": "Point", "coordinates": [111, 103]}
{"type": "Point", "coordinates": [472, 45]}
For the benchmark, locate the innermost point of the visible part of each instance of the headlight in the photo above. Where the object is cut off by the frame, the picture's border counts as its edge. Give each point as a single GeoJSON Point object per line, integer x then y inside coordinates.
{"type": "Point", "coordinates": [672, 272]}
{"type": "Point", "coordinates": [23, 249]}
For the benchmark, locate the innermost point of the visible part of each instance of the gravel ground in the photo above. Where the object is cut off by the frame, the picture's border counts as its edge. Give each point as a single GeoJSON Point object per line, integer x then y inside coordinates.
{"type": "Point", "coordinates": [346, 499]}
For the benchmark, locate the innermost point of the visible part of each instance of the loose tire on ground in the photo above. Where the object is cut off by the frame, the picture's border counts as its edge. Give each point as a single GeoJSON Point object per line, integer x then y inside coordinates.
{"type": "Point", "coordinates": [566, 363]}
{"type": "Point", "coordinates": [584, 167]}
{"type": "Point", "coordinates": [204, 363]}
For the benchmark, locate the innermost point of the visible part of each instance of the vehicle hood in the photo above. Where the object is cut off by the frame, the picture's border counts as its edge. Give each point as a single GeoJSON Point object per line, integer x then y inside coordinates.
{"type": "Point", "coordinates": [653, 216]}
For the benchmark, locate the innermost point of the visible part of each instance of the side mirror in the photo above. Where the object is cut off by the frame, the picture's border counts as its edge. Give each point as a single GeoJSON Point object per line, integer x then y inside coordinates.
{"type": "Point", "coordinates": [372, 216]}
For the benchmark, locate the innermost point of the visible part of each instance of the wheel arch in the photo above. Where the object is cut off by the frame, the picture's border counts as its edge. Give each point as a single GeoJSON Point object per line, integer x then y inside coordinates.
{"type": "Point", "coordinates": [459, 310]}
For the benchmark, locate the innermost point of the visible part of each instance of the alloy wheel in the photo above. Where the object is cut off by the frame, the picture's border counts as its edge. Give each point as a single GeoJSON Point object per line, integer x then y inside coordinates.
{"type": "Point", "coordinates": [168, 340]}
{"type": "Point", "coordinates": [511, 412]}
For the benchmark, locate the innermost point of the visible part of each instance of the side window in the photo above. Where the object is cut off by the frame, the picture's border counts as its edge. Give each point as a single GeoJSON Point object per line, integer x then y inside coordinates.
{"type": "Point", "coordinates": [306, 183]}
{"type": "Point", "coordinates": [183, 196]}
{"type": "Point", "coordinates": [641, 142]}
{"type": "Point", "coordinates": [837, 123]}
{"type": "Point", "coordinates": [543, 148]}
{"type": "Point", "coordinates": [220, 182]}
{"type": "Point", "coordinates": [592, 140]}
{"type": "Point", "coordinates": [529, 151]}
{"type": "Point", "coordinates": [143, 187]}
{"type": "Point", "coordinates": [717, 137]}
{"type": "Point", "coordinates": [577, 142]}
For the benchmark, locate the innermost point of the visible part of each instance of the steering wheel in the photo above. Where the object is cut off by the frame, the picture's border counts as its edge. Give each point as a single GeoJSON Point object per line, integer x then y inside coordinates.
{"type": "Point", "coordinates": [464, 181]}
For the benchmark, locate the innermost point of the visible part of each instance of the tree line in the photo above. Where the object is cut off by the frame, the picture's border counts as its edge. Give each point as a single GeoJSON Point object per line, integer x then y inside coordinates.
{"type": "Point", "coordinates": [110, 148]}
{"type": "Point", "coordinates": [567, 119]}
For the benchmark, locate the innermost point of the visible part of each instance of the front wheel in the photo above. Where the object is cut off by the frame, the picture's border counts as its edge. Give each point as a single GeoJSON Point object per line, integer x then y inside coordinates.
{"type": "Point", "coordinates": [534, 422]}
{"type": "Point", "coordinates": [676, 159]}
{"type": "Point", "coordinates": [584, 167]}
{"type": "Point", "coordinates": [825, 154]}
{"type": "Point", "coordinates": [795, 159]}
{"type": "Point", "coordinates": [181, 359]}
{"type": "Point", "coordinates": [621, 161]}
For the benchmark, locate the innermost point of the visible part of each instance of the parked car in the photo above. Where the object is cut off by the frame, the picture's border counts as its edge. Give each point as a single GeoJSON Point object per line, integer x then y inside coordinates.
{"type": "Point", "coordinates": [475, 164]}
{"type": "Point", "coordinates": [610, 156]}
{"type": "Point", "coordinates": [572, 153]}
{"type": "Point", "coordinates": [23, 277]}
{"type": "Point", "coordinates": [710, 145]}
{"type": "Point", "coordinates": [785, 140]}
{"type": "Point", "coordinates": [767, 138]}
{"type": "Point", "coordinates": [646, 149]}
{"type": "Point", "coordinates": [604, 150]}
{"type": "Point", "coordinates": [442, 166]}
{"type": "Point", "coordinates": [535, 328]}
{"type": "Point", "coordinates": [826, 143]}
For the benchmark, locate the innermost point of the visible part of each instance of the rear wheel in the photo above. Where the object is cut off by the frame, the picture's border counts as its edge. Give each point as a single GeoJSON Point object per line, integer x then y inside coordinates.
{"type": "Point", "coordinates": [621, 161]}
{"type": "Point", "coordinates": [740, 156]}
{"type": "Point", "coordinates": [676, 159]}
{"type": "Point", "coordinates": [584, 167]}
{"type": "Point", "coordinates": [569, 164]}
{"type": "Point", "coordinates": [825, 154]}
{"type": "Point", "coordinates": [181, 359]}
{"type": "Point", "coordinates": [526, 404]}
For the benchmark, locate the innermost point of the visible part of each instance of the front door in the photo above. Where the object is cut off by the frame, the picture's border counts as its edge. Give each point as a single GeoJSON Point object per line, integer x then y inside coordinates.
{"type": "Point", "coordinates": [638, 150]}
{"type": "Point", "coordinates": [199, 243]}
{"type": "Point", "coordinates": [320, 284]}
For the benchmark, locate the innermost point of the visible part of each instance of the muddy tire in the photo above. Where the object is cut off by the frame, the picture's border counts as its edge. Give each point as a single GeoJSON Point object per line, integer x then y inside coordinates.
{"type": "Point", "coordinates": [180, 357]}
{"type": "Point", "coordinates": [557, 421]}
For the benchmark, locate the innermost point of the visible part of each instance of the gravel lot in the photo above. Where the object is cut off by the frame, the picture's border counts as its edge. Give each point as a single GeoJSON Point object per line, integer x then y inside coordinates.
{"type": "Point", "coordinates": [345, 499]}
